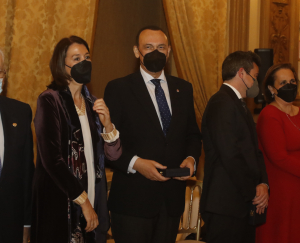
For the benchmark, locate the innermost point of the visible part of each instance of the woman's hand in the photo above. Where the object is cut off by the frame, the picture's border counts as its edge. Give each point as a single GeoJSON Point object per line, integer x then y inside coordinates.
{"type": "Point", "coordinates": [104, 116]}
{"type": "Point", "coordinates": [90, 216]}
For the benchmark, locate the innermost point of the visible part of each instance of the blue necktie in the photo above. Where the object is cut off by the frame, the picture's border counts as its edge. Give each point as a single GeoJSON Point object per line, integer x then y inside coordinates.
{"type": "Point", "coordinates": [162, 103]}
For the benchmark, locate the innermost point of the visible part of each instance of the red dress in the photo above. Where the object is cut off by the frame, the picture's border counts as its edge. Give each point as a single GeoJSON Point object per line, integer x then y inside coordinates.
{"type": "Point", "coordinates": [279, 140]}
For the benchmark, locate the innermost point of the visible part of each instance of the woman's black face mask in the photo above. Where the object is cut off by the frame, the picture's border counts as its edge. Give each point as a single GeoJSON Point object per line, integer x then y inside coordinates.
{"type": "Point", "coordinates": [81, 72]}
{"type": "Point", "coordinates": [288, 92]}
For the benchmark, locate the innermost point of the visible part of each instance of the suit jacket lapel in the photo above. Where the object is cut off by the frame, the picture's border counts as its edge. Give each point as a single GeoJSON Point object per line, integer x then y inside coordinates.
{"type": "Point", "coordinates": [174, 103]}
{"type": "Point", "coordinates": [141, 92]}
{"type": "Point", "coordinates": [247, 117]}
{"type": "Point", "coordinates": [9, 130]}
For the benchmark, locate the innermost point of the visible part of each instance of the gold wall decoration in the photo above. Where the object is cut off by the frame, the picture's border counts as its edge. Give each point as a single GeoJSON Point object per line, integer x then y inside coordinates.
{"type": "Point", "coordinates": [280, 30]}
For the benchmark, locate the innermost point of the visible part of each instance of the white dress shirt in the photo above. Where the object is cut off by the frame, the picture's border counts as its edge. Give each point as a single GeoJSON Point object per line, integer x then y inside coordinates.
{"type": "Point", "coordinates": [151, 89]}
{"type": "Point", "coordinates": [89, 157]}
{"type": "Point", "coordinates": [238, 94]}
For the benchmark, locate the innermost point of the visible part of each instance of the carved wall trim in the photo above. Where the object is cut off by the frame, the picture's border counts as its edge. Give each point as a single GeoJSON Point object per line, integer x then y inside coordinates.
{"type": "Point", "coordinates": [279, 29]}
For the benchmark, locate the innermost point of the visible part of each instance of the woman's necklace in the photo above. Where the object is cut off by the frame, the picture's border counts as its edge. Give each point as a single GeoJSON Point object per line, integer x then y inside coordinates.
{"type": "Point", "coordinates": [288, 115]}
{"type": "Point", "coordinates": [81, 111]}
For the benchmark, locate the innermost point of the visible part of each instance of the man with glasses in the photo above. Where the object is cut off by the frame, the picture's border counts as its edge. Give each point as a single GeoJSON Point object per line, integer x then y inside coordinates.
{"type": "Point", "coordinates": [235, 176]}
{"type": "Point", "coordinates": [16, 167]}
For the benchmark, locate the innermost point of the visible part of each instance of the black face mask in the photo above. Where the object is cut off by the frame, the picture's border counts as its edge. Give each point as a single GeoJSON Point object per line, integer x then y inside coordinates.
{"type": "Point", "coordinates": [154, 61]}
{"type": "Point", "coordinates": [288, 92]}
{"type": "Point", "coordinates": [81, 72]}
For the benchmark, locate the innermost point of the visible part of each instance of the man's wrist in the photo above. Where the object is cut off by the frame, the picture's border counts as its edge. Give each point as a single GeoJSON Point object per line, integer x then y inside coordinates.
{"type": "Point", "coordinates": [191, 159]}
{"type": "Point", "coordinates": [194, 165]}
{"type": "Point", "coordinates": [131, 164]}
{"type": "Point", "coordinates": [135, 166]}
{"type": "Point", "coordinates": [265, 185]}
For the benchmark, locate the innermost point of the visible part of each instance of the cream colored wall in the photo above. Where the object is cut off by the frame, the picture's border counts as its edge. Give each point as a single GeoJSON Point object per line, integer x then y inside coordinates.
{"type": "Point", "coordinates": [254, 24]}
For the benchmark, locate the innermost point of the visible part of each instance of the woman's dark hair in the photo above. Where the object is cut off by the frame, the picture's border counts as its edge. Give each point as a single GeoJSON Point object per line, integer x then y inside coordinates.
{"type": "Point", "coordinates": [57, 62]}
{"type": "Point", "coordinates": [271, 76]}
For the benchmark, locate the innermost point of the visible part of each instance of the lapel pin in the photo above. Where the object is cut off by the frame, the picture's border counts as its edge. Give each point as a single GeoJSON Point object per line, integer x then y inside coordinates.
{"type": "Point", "coordinates": [177, 90]}
{"type": "Point", "coordinates": [15, 124]}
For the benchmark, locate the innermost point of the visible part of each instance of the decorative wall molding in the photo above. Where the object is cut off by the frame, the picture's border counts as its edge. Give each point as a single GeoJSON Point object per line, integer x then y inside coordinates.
{"type": "Point", "coordinates": [279, 29]}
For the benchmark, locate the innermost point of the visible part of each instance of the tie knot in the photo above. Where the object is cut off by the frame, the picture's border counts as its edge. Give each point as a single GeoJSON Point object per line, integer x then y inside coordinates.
{"type": "Point", "coordinates": [156, 82]}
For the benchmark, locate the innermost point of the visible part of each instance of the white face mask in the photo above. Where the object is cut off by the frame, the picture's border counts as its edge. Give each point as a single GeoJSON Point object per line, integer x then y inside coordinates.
{"type": "Point", "coordinates": [1, 81]}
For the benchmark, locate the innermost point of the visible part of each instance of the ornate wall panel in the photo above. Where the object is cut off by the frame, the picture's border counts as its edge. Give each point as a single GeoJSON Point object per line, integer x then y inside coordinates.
{"type": "Point", "coordinates": [279, 29]}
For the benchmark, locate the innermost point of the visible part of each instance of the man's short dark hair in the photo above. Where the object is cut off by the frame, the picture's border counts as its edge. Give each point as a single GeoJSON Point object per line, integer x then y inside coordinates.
{"type": "Point", "coordinates": [57, 62]}
{"type": "Point", "coordinates": [236, 60]}
{"type": "Point", "coordinates": [150, 27]}
{"type": "Point", "coordinates": [271, 77]}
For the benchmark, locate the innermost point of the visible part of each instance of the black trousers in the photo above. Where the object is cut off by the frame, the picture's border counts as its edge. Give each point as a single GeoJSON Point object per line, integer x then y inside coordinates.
{"type": "Point", "coordinates": [221, 228]}
{"type": "Point", "coordinates": [160, 229]}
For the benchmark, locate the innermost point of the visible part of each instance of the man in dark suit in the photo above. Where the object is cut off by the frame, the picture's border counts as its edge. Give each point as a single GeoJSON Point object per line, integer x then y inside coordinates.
{"type": "Point", "coordinates": [16, 168]}
{"type": "Point", "coordinates": [155, 115]}
{"type": "Point", "coordinates": [234, 175]}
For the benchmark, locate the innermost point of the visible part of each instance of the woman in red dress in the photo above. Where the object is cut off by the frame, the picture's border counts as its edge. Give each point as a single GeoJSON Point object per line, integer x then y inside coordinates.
{"type": "Point", "coordinates": [278, 130]}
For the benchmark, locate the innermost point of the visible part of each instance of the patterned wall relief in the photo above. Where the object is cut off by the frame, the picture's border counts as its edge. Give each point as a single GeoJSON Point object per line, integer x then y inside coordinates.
{"type": "Point", "coordinates": [280, 30]}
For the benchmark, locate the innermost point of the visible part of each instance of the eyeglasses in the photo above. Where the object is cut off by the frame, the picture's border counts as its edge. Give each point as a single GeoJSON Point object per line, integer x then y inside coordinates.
{"type": "Point", "coordinates": [2, 73]}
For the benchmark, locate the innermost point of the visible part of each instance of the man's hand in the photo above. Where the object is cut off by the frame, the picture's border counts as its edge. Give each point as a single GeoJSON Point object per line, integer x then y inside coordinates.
{"type": "Point", "coordinates": [262, 198]}
{"type": "Point", "coordinates": [148, 168]}
{"type": "Point", "coordinates": [26, 234]}
{"type": "Point", "coordinates": [187, 163]}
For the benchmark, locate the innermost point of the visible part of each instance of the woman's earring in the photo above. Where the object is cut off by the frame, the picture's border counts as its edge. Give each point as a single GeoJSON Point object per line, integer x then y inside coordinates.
{"type": "Point", "coordinates": [273, 95]}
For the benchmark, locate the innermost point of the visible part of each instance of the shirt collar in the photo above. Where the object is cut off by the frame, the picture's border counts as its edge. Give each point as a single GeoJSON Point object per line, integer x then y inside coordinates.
{"type": "Point", "coordinates": [147, 77]}
{"type": "Point", "coordinates": [234, 90]}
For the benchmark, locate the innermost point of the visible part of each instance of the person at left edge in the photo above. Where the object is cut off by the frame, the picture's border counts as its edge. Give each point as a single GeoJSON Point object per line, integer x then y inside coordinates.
{"type": "Point", "coordinates": [16, 167]}
{"type": "Point", "coordinates": [69, 192]}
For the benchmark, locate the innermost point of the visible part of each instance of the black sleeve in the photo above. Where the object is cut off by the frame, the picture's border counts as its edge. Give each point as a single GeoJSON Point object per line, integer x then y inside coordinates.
{"type": "Point", "coordinates": [48, 133]}
{"type": "Point", "coordinates": [28, 168]}
{"type": "Point", "coordinates": [194, 137]}
{"type": "Point", "coordinates": [222, 123]}
{"type": "Point", "coordinates": [262, 166]}
{"type": "Point", "coordinates": [113, 99]}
